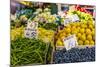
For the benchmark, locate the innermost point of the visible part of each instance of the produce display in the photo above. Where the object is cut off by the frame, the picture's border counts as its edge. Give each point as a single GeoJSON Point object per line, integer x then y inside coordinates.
{"type": "Point", "coordinates": [29, 51]}
{"type": "Point", "coordinates": [44, 16]}
{"type": "Point", "coordinates": [45, 35]}
{"type": "Point", "coordinates": [26, 12]}
{"type": "Point", "coordinates": [17, 33]}
{"type": "Point", "coordinates": [84, 31]}
{"type": "Point", "coordinates": [84, 17]}
{"type": "Point", "coordinates": [49, 26]}
{"type": "Point", "coordinates": [74, 55]}
{"type": "Point", "coordinates": [39, 36]}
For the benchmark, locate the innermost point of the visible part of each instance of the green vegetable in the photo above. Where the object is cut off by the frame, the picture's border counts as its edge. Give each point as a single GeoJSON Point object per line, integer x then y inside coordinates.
{"type": "Point", "coordinates": [26, 51]}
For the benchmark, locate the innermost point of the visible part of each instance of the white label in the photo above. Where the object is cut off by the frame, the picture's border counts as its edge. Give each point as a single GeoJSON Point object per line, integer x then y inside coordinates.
{"type": "Point", "coordinates": [30, 33]}
{"type": "Point", "coordinates": [70, 42]}
{"type": "Point", "coordinates": [75, 18]}
{"type": "Point", "coordinates": [71, 18]}
{"type": "Point", "coordinates": [31, 30]}
{"type": "Point", "coordinates": [67, 20]}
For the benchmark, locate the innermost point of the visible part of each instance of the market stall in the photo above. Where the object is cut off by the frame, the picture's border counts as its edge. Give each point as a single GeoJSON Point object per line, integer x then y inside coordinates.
{"type": "Point", "coordinates": [43, 34]}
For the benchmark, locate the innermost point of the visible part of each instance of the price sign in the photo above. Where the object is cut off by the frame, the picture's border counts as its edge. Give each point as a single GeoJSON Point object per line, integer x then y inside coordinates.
{"type": "Point", "coordinates": [70, 42]}
{"type": "Point", "coordinates": [30, 33]}
{"type": "Point", "coordinates": [75, 18]}
{"type": "Point", "coordinates": [67, 20]}
{"type": "Point", "coordinates": [31, 30]}
{"type": "Point", "coordinates": [71, 18]}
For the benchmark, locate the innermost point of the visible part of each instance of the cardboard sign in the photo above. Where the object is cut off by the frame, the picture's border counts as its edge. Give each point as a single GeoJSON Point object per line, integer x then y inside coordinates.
{"type": "Point", "coordinates": [70, 42]}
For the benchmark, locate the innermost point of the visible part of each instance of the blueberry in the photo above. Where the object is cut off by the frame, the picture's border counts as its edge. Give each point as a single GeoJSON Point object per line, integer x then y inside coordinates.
{"type": "Point", "coordinates": [74, 55]}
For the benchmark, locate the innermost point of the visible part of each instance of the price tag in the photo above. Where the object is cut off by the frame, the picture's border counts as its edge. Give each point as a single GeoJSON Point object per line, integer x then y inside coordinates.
{"type": "Point", "coordinates": [31, 30]}
{"type": "Point", "coordinates": [67, 20]}
{"type": "Point", "coordinates": [71, 18]}
{"type": "Point", "coordinates": [70, 42]}
{"type": "Point", "coordinates": [30, 33]}
{"type": "Point", "coordinates": [75, 18]}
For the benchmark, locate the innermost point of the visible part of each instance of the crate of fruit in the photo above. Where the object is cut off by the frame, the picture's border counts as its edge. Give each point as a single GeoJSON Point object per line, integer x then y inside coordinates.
{"type": "Point", "coordinates": [83, 31]}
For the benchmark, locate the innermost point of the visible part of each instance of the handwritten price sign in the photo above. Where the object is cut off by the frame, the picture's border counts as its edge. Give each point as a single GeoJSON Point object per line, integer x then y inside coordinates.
{"type": "Point", "coordinates": [31, 30]}
{"type": "Point", "coordinates": [30, 33]}
{"type": "Point", "coordinates": [71, 18]}
{"type": "Point", "coordinates": [70, 42]}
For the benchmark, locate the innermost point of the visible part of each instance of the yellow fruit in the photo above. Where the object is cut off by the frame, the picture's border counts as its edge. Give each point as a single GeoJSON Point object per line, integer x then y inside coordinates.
{"type": "Point", "coordinates": [93, 29]}
{"type": "Point", "coordinates": [68, 30]}
{"type": "Point", "coordinates": [73, 27]}
{"type": "Point", "coordinates": [78, 24]}
{"type": "Point", "coordinates": [83, 25]}
{"type": "Point", "coordinates": [89, 37]}
{"type": "Point", "coordinates": [83, 37]}
{"type": "Point", "coordinates": [90, 23]}
{"type": "Point", "coordinates": [93, 37]}
{"type": "Point", "coordinates": [93, 33]}
{"type": "Point", "coordinates": [74, 32]}
{"type": "Point", "coordinates": [17, 32]}
{"type": "Point", "coordinates": [68, 34]}
{"type": "Point", "coordinates": [90, 26]}
{"type": "Point", "coordinates": [91, 42]}
{"type": "Point", "coordinates": [78, 29]}
{"type": "Point", "coordinates": [88, 31]}
{"type": "Point", "coordinates": [45, 35]}
{"type": "Point", "coordinates": [82, 30]}
{"type": "Point", "coordinates": [80, 42]}
{"type": "Point", "coordinates": [72, 24]}
{"type": "Point", "coordinates": [86, 42]}
{"type": "Point", "coordinates": [62, 35]}
{"type": "Point", "coordinates": [59, 42]}
{"type": "Point", "coordinates": [78, 35]}
{"type": "Point", "coordinates": [60, 31]}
